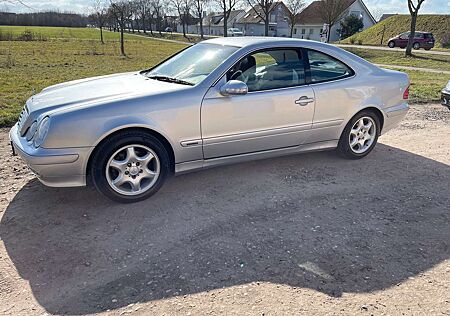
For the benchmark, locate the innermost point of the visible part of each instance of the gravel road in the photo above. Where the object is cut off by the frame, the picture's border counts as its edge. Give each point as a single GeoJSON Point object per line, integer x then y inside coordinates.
{"type": "Point", "coordinates": [310, 234]}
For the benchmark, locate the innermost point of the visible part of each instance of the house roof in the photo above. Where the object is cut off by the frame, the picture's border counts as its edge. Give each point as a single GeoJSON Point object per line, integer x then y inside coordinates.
{"type": "Point", "coordinates": [311, 14]}
{"type": "Point", "coordinates": [252, 17]}
{"type": "Point", "coordinates": [217, 18]}
{"type": "Point", "coordinates": [386, 15]}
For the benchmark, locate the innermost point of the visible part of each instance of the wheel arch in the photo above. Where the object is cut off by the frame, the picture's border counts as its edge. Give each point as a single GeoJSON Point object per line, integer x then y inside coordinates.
{"type": "Point", "coordinates": [372, 109]}
{"type": "Point", "coordinates": [164, 141]}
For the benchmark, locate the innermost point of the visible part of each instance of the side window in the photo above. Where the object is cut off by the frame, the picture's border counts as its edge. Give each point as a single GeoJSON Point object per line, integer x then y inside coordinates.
{"type": "Point", "coordinates": [270, 69]}
{"type": "Point", "coordinates": [325, 68]}
{"type": "Point", "coordinates": [404, 35]}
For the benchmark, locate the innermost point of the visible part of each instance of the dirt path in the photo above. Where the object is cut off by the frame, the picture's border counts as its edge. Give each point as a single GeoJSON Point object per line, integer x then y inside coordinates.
{"type": "Point", "coordinates": [310, 234]}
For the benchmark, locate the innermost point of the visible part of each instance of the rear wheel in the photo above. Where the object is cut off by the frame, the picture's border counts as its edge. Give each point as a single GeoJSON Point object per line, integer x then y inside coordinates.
{"type": "Point", "coordinates": [359, 136]}
{"type": "Point", "coordinates": [391, 44]}
{"type": "Point", "coordinates": [130, 166]}
{"type": "Point", "coordinates": [416, 45]}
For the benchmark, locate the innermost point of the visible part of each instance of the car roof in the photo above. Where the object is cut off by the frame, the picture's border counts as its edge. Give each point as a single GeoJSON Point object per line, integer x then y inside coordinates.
{"type": "Point", "coordinates": [248, 43]}
{"type": "Point", "coordinates": [260, 40]}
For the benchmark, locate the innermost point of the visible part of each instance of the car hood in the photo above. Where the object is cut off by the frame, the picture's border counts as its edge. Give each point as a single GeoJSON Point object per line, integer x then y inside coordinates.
{"type": "Point", "coordinates": [97, 89]}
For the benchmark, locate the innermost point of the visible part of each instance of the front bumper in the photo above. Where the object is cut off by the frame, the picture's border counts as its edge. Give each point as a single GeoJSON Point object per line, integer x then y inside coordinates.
{"type": "Point", "coordinates": [445, 98]}
{"type": "Point", "coordinates": [64, 167]}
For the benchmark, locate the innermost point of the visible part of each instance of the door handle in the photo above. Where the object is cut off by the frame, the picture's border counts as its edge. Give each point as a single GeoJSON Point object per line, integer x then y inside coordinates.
{"type": "Point", "coordinates": [304, 100]}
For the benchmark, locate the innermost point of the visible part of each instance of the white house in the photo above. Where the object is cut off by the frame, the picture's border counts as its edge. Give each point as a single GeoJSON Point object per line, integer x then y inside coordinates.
{"type": "Point", "coordinates": [311, 23]}
{"type": "Point", "coordinates": [213, 22]}
{"type": "Point", "coordinates": [253, 25]}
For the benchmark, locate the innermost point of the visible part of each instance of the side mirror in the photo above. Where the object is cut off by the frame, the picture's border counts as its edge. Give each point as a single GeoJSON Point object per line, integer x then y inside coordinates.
{"type": "Point", "coordinates": [234, 87]}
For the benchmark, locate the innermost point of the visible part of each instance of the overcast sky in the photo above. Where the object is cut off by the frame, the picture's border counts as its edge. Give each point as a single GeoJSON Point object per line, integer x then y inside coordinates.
{"type": "Point", "coordinates": [83, 6]}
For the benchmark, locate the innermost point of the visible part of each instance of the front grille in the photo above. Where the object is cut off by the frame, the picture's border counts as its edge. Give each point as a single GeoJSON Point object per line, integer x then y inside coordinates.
{"type": "Point", "coordinates": [22, 119]}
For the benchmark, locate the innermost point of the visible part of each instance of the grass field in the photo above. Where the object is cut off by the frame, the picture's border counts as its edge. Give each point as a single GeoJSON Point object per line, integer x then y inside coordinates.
{"type": "Point", "coordinates": [68, 54]}
{"type": "Point", "coordinates": [439, 25]}
{"type": "Point", "coordinates": [440, 62]}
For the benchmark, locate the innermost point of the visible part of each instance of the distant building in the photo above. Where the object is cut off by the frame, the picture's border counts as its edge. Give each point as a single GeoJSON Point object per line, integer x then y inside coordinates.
{"type": "Point", "coordinates": [311, 23]}
{"type": "Point", "coordinates": [253, 25]}
{"type": "Point", "coordinates": [385, 16]}
{"type": "Point", "coordinates": [213, 22]}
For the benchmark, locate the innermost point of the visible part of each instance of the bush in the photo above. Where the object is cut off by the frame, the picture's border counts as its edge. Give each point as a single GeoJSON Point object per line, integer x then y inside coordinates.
{"type": "Point", "coordinates": [351, 25]}
{"type": "Point", "coordinates": [28, 36]}
{"type": "Point", "coordinates": [445, 40]}
{"type": "Point", "coordinates": [360, 42]}
{"type": "Point", "coordinates": [6, 36]}
{"type": "Point", "coordinates": [352, 40]}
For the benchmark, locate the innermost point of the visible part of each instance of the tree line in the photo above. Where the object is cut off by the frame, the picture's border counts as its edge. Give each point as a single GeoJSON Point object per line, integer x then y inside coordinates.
{"type": "Point", "coordinates": [50, 18]}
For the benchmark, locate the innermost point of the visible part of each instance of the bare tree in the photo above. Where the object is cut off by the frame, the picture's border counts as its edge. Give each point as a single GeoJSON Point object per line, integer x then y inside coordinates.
{"type": "Point", "coordinates": [199, 6]}
{"type": "Point", "coordinates": [100, 16]}
{"type": "Point", "coordinates": [330, 11]}
{"type": "Point", "coordinates": [142, 12]}
{"type": "Point", "coordinates": [158, 12]}
{"type": "Point", "coordinates": [293, 15]}
{"type": "Point", "coordinates": [262, 8]}
{"type": "Point", "coordinates": [226, 6]}
{"type": "Point", "coordinates": [121, 11]}
{"type": "Point", "coordinates": [186, 17]}
{"type": "Point", "coordinates": [180, 6]}
{"type": "Point", "coordinates": [413, 7]}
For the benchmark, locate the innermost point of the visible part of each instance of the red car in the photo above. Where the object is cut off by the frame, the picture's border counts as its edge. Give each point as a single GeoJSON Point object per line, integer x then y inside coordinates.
{"type": "Point", "coordinates": [421, 40]}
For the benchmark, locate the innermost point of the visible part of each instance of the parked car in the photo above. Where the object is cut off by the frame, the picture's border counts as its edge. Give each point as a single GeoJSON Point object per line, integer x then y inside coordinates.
{"type": "Point", "coordinates": [234, 32]}
{"type": "Point", "coordinates": [445, 95]}
{"type": "Point", "coordinates": [421, 40]}
{"type": "Point", "coordinates": [168, 29]}
{"type": "Point", "coordinates": [221, 101]}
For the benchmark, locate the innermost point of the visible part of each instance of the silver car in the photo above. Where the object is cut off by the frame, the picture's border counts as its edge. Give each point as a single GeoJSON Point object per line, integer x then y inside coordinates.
{"type": "Point", "coordinates": [222, 101]}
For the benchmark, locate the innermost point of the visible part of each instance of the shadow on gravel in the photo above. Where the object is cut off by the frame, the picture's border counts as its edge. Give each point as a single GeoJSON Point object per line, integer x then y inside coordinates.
{"type": "Point", "coordinates": [312, 221]}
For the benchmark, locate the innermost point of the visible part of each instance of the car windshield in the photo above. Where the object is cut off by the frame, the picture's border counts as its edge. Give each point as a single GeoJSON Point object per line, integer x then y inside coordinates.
{"type": "Point", "coordinates": [192, 65]}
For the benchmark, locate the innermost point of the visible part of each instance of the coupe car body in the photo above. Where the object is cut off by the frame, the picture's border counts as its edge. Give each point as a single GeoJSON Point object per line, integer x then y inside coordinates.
{"type": "Point", "coordinates": [221, 101]}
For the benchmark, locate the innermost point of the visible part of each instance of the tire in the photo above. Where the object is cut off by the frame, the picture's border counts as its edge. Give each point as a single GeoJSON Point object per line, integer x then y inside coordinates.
{"type": "Point", "coordinates": [391, 44]}
{"type": "Point", "coordinates": [416, 45]}
{"type": "Point", "coordinates": [130, 166]}
{"type": "Point", "coordinates": [351, 133]}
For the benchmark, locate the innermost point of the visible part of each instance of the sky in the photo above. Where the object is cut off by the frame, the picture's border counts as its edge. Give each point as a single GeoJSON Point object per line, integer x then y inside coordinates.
{"type": "Point", "coordinates": [84, 6]}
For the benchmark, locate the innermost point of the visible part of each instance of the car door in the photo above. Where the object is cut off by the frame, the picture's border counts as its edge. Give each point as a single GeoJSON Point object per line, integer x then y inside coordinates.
{"type": "Point", "coordinates": [403, 39]}
{"type": "Point", "coordinates": [276, 112]}
{"type": "Point", "coordinates": [334, 96]}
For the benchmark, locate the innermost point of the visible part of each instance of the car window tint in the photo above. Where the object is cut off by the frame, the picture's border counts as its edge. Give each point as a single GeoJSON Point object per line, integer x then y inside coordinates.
{"type": "Point", "coordinates": [325, 68]}
{"type": "Point", "coordinates": [270, 69]}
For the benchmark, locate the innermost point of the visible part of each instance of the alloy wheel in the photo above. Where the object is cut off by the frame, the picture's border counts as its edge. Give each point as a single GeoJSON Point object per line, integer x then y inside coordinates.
{"type": "Point", "coordinates": [133, 169]}
{"type": "Point", "coordinates": [362, 135]}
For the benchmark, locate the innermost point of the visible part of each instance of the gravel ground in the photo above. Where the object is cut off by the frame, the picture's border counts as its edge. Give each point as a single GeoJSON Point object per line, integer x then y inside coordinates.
{"type": "Point", "coordinates": [309, 234]}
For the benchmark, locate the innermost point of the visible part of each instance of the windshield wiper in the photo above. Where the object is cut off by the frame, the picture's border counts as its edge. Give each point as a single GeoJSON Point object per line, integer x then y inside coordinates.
{"type": "Point", "coordinates": [170, 79]}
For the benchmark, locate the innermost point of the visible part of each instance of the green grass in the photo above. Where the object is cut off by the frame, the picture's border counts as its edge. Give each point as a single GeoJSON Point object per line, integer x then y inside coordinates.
{"type": "Point", "coordinates": [70, 54]}
{"type": "Point", "coordinates": [61, 33]}
{"type": "Point", "coordinates": [440, 62]}
{"type": "Point", "coordinates": [25, 66]}
{"type": "Point", "coordinates": [439, 25]}
{"type": "Point", "coordinates": [190, 38]}
{"type": "Point", "coordinates": [426, 86]}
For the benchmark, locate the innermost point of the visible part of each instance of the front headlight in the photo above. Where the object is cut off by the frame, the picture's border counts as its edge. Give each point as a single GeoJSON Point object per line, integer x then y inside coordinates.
{"type": "Point", "coordinates": [31, 131]}
{"type": "Point", "coordinates": [41, 132]}
{"type": "Point", "coordinates": [447, 87]}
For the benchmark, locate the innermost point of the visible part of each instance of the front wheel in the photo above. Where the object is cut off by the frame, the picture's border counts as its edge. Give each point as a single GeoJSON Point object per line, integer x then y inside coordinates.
{"type": "Point", "coordinates": [416, 45]}
{"type": "Point", "coordinates": [359, 136]}
{"type": "Point", "coordinates": [391, 44]}
{"type": "Point", "coordinates": [130, 166]}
